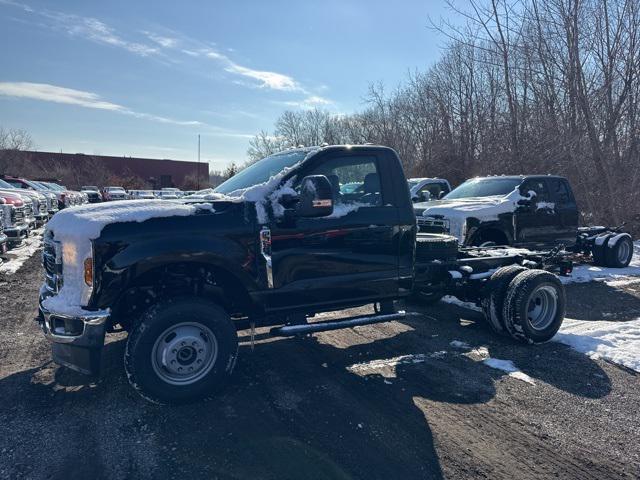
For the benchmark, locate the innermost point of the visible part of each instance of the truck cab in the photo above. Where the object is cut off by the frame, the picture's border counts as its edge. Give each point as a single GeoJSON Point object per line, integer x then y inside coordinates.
{"type": "Point", "coordinates": [532, 211]}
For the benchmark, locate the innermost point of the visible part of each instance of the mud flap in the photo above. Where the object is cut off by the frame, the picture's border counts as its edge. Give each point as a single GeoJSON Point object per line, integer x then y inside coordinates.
{"type": "Point", "coordinates": [82, 359]}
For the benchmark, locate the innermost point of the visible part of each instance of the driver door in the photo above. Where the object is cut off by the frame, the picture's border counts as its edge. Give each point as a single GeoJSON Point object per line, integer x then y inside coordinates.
{"type": "Point", "coordinates": [346, 256]}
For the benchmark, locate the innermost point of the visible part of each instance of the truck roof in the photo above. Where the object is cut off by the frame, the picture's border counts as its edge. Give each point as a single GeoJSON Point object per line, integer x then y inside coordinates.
{"type": "Point", "coordinates": [522, 177]}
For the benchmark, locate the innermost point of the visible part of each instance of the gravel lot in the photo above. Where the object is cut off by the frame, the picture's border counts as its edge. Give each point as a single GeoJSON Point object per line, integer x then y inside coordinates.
{"type": "Point", "coordinates": [387, 401]}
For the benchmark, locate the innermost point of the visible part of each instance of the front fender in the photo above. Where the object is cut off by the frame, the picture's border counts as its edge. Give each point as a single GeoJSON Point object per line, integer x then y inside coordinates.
{"type": "Point", "coordinates": [136, 260]}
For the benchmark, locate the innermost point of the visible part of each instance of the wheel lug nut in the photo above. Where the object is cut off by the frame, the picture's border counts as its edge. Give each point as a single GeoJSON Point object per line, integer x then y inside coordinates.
{"type": "Point", "coordinates": [200, 350]}
{"type": "Point", "coordinates": [179, 369]}
{"type": "Point", "coordinates": [199, 361]}
{"type": "Point", "coordinates": [174, 351]}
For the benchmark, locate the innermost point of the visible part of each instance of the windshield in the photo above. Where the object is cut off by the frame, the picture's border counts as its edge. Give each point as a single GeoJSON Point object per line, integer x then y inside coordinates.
{"type": "Point", "coordinates": [261, 171]}
{"type": "Point", "coordinates": [115, 189]}
{"type": "Point", "coordinates": [4, 184]}
{"type": "Point", "coordinates": [484, 187]}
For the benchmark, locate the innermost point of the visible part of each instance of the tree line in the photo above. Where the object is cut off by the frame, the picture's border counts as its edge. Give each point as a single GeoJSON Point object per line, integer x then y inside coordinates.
{"type": "Point", "coordinates": [522, 87]}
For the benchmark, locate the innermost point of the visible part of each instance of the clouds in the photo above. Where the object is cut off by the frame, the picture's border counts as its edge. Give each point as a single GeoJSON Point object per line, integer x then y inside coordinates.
{"type": "Point", "coordinates": [173, 47]}
{"type": "Point", "coordinates": [69, 96]}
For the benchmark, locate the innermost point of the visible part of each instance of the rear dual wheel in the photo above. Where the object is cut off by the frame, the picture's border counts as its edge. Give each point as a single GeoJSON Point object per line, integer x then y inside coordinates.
{"type": "Point", "coordinates": [613, 250]}
{"type": "Point", "coordinates": [527, 305]}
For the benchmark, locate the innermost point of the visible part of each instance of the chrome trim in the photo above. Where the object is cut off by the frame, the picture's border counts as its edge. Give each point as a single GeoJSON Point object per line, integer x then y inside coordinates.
{"type": "Point", "coordinates": [97, 319]}
{"type": "Point", "coordinates": [265, 250]}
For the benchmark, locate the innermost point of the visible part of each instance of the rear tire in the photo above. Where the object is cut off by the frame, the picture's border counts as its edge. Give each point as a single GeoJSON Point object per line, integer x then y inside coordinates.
{"type": "Point", "coordinates": [181, 350]}
{"type": "Point", "coordinates": [599, 250]}
{"type": "Point", "coordinates": [493, 303]}
{"type": "Point", "coordinates": [534, 307]}
{"type": "Point", "coordinates": [619, 251]}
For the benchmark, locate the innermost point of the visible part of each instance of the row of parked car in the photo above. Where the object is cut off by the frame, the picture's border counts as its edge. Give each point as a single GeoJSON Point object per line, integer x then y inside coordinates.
{"type": "Point", "coordinates": [108, 194]}
{"type": "Point", "coordinates": [28, 204]}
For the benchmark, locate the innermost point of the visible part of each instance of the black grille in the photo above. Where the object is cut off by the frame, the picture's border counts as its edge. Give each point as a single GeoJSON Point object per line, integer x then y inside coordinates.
{"type": "Point", "coordinates": [28, 211]}
{"type": "Point", "coordinates": [52, 266]}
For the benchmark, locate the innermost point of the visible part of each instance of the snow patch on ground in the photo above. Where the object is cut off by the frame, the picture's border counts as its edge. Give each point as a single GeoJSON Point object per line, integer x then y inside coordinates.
{"type": "Point", "coordinates": [376, 366]}
{"type": "Point", "coordinates": [460, 344]}
{"type": "Point", "coordinates": [617, 342]}
{"type": "Point", "coordinates": [16, 257]}
{"type": "Point", "coordinates": [509, 367]}
{"type": "Point", "coordinates": [456, 301]}
{"type": "Point", "coordinates": [591, 273]}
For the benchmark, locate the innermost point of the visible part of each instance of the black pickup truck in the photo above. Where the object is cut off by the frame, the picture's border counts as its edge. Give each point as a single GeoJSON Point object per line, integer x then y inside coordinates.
{"type": "Point", "coordinates": [530, 211]}
{"type": "Point", "coordinates": [272, 246]}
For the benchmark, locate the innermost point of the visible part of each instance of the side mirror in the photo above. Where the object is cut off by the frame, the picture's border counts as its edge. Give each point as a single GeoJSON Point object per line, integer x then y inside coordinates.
{"type": "Point", "coordinates": [316, 197]}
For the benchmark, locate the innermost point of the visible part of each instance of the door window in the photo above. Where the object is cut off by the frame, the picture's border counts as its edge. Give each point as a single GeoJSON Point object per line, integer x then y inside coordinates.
{"type": "Point", "coordinates": [539, 186]}
{"type": "Point", "coordinates": [561, 193]}
{"type": "Point", "coordinates": [434, 190]}
{"type": "Point", "coordinates": [354, 180]}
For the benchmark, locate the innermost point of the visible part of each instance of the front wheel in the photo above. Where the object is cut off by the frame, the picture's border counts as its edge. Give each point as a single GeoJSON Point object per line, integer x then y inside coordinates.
{"type": "Point", "coordinates": [181, 350]}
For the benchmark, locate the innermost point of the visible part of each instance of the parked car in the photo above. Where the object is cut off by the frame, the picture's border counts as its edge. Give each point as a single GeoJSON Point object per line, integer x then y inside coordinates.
{"type": "Point", "coordinates": [168, 195]}
{"type": "Point", "coordinates": [66, 197]}
{"type": "Point", "coordinates": [141, 195]}
{"type": "Point", "coordinates": [530, 211]}
{"type": "Point", "coordinates": [110, 194]}
{"type": "Point", "coordinates": [93, 194]}
{"type": "Point", "coordinates": [425, 189]}
{"type": "Point", "coordinates": [16, 227]}
{"type": "Point", "coordinates": [4, 240]}
{"type": "Point", "coordinates": [278, 245]}
{"type": "Point", "coordinates": [43, 202]}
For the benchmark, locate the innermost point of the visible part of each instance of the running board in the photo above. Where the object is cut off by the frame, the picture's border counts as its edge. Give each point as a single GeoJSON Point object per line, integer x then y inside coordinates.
{"type": "Point", "coordinates": [292, 330]}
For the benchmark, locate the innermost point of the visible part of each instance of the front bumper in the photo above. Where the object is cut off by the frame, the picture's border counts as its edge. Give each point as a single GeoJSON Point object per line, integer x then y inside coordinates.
{"type": "Point", "coordinates": [76, 340]}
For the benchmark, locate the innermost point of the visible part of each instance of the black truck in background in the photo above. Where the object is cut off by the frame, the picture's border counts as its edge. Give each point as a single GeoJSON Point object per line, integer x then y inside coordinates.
{"type": "Point", "coordinates": [528, 211]}
{"type": "Point", "coordinates": [278, 243]}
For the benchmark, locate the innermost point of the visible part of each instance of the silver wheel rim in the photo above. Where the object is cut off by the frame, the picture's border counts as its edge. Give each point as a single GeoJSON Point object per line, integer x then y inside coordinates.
{"type": "Point", "coordinates": [184, 353]}
{"type": "Point", "coordinates": [623, 252]}
{"type": "Point", "coordinates": [542, 307]}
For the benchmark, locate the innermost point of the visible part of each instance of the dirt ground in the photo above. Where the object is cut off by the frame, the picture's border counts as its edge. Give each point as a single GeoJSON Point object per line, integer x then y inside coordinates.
{"type": "Point", "coordinates": [387, 401]}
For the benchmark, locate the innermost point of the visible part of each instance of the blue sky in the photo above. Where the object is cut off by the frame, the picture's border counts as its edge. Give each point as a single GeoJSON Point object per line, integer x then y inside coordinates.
{"type": "Point", "coordinates": [144, 78]}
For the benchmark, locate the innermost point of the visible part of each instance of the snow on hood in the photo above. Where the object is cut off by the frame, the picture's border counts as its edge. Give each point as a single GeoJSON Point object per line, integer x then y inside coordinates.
{"type": "Point", "coordinates": [75, 227]}
{"type": "Point", "coordinates": [483, 208]}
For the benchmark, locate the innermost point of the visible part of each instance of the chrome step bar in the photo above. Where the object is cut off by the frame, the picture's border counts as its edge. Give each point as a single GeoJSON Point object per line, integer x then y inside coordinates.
{"type": "Point", "coordinates": [292, 330]}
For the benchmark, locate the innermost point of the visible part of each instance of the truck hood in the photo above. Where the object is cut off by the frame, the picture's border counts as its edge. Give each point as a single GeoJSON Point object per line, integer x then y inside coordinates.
{"type": "Point", "coordinates": [75, 228]}
{"type": "Point", "coordinates": [468, 206]}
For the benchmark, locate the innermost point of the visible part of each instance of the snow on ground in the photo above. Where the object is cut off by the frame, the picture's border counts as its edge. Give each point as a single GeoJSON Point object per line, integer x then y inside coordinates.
{"type": "Point", "coordinates": [617, 342]}
{"type": "Point", "coordinates": [14, 258]}
{"type": "Point", "coordinates": [590, 273]}
{"type": "Point", "coordinates": [456, 301]}
{"type": "Point", "coordinates": [509, 367]}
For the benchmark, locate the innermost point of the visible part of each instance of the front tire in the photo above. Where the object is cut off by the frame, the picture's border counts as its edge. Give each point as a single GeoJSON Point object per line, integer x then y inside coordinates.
{"type": "Point", "coordinates": [181, 350]}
